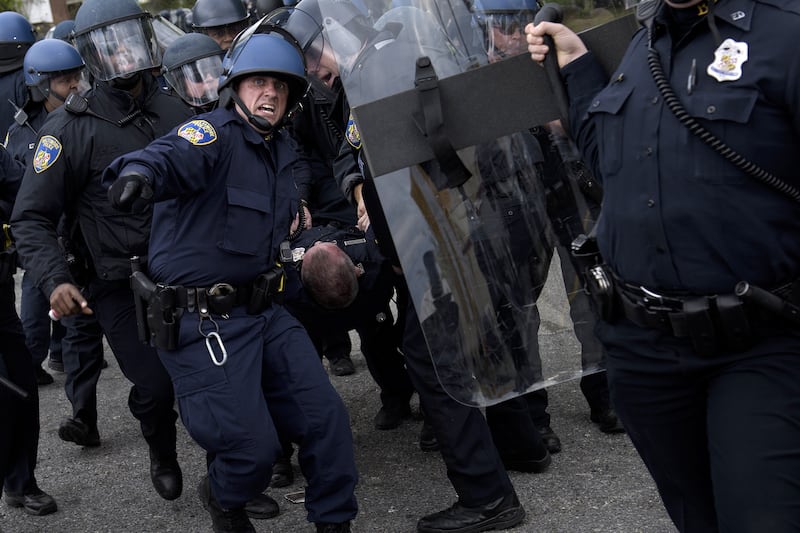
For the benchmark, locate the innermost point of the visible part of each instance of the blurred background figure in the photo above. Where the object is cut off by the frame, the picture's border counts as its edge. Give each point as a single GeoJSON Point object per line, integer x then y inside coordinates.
{"type": "Point", "coordinates": [192, 65]}
{"type": "Point", "coordinates": [222, 20]}
{"type": "Point", "coordinates": [62, 30]}
{"type": "Point", "coordinates": [53, 69]}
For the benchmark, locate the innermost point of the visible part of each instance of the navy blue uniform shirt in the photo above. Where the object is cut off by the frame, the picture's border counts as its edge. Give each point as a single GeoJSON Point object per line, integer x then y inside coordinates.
{"type": "Point", "coordinates": [677, 215]}
{"type": "Point", "coordinates": [225, 199]}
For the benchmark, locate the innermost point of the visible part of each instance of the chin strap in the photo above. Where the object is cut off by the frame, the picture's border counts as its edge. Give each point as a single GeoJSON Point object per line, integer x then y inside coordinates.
{"type": "Point", "coordinates": [261, 123]}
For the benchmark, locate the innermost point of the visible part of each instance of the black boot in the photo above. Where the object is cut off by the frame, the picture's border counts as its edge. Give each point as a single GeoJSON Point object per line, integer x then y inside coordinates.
{"type": "Point", "coordinates": [166, 475]}
{"type": "Point", "coordinates": [262, 507]}
{"type": "Point", "coordinates": [223, 520]}
{"type": "Point", "coordinates": [77, 431]}
{"type": "Point", "coordinates": [503, 513]}
{"type": "Point", "coordinates": [282, 473]}
{"type": "Point", "coordinates": [606, 420]}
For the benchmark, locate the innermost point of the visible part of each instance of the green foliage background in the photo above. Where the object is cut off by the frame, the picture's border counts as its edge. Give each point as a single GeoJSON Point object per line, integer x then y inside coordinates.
{"type": "Point", "coordinates": [10, 5]}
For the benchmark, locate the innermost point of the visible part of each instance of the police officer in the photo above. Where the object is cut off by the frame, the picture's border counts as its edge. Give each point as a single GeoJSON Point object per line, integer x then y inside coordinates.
{"type": "Point", "coordinates": [486, 497]}
{"type": "Point", "coordinates": [702, 369]}
{"type": "Point", "coordinates": [19, 418]}
{"type": "Point", "coordinates": [191, 65]}
{"type": "Point", "coordinates": [16, 37]}
{"type": "Point", "coordinates": [125, 110]}
{"type": "Point", "coordinates": [62, 31]}
{"type": "Point", "coordinates": [225, 200]}
{"type": "Point", "coordinates": [221, 20]}
{"type": "Point", "coordinates": [52, 70]}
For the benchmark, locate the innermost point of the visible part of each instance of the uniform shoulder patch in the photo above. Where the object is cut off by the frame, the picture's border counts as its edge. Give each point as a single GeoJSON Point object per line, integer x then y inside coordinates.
{"type": "Point", "coordinates": [198, 132]}
{"type": "Point", "coordinates": [353, 136]}
{"type": "Point", "coordinates": [47, 152]}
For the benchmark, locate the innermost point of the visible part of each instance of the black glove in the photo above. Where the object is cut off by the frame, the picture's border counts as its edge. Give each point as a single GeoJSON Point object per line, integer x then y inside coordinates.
{"type": "Point", "coordinates": [130, 193]}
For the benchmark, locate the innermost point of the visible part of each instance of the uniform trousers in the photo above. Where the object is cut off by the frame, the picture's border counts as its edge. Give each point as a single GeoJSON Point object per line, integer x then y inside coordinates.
{"type": "Point", "coordinates": [273, 382]}
{"type": "Point", "coordinates": [719, 434]}
{"type": "Point", "coordinates": [83, 361]}
{"type": "Point", "coordinates": [19, 419]}
{"type": "Point", "coordinates": [473, 463]}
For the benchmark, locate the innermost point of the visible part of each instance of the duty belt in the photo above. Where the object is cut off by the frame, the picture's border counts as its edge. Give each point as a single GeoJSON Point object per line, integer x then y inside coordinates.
{"type": "Point", "coordinates": [712, 322]}
{"type": "Point", "coordinates": [220, 298]}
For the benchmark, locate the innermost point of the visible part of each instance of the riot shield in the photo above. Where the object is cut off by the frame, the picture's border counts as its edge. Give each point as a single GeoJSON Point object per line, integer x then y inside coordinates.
{"type": "Point", "coordinates": [460, 137]}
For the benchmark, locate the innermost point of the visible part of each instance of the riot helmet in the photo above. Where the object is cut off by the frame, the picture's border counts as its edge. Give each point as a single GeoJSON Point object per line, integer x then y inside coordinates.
{"type": "Point", "coordinates": [222, 20]}
{"type": "Point", "coordinates": [265, 7]}
{"type": "Point", "coordinates": [192, 65]}
{"type": "Point", "coordinates": [47, 60]}
{"type": "Point", "coordinates": [62, 30]}
{"type": "Point", "coordinates": [331, 33]}
{"type": "Point", "coordinates": [503, 22]}
{"type": "Point", "coordinates": [15, 29]}
{"type": "Point", "coordinates": [16, 36]}
{"type": "Point", "coordinates": [272, 53]}
{"type": "Point", "coordinates": [115, 38]}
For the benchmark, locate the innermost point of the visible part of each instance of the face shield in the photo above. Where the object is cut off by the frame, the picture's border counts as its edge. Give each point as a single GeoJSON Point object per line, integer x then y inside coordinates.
{"type": "Point", "coordinates": [505, 34]}
{"type": "Point", "coordinates": [321, 65]}
{"type": "Point", "coordinates": [166, 32]}
{"type": "Point", "coordinates": [119, 49]}
{"type": "Point", "coordinates": [196, 82]}
{"type": "Point", "coordinates": [61, 84]}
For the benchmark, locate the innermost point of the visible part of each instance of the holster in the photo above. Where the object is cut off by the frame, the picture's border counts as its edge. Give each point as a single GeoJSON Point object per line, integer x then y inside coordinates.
{"type": "Point", "coordinates": [163, 319]}
{"type": "Point", "coordinates": [157, 319]}
{"type": "Point", "coordinates": [267, 288]}
{"type": "Point", "coordinates": [597, 280]}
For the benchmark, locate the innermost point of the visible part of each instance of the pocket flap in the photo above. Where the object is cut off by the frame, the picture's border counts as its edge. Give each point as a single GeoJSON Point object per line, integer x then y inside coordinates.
{"type": "Point", "coordinates": [249, 199]}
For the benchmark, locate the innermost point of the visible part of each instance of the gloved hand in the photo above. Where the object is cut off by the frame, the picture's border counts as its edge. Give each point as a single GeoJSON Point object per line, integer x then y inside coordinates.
{"type": "Point", "coordinates": [130, 193]}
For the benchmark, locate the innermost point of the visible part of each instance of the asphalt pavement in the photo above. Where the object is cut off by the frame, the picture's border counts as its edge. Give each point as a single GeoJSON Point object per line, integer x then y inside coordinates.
{"type": "Point", "coordinates": [596, 484]}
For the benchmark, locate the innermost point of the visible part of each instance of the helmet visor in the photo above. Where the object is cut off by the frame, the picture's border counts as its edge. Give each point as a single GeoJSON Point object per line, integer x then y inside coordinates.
{"type": "Point", "coordinates": [119, 49]}
{"type": "Point", "coordinates": [166, 32]}
{"type": "Point", "coordinates": [505, 34]}
{"type": "Point", "coordinates": [197, 81]}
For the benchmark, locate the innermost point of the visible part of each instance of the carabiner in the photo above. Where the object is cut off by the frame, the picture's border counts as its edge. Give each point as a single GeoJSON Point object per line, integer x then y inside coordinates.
{"type": "Point", "coordinates": [210, 348]}
{"type": "Point", "coordinates": [215, 335]}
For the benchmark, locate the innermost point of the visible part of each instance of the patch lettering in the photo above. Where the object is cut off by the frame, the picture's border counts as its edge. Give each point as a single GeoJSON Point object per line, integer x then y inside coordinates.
{"type": "Point", "coordinates": [47, 152]}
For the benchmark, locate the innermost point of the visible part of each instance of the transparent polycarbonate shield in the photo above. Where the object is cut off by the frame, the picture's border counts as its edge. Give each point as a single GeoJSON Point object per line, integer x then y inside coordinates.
{"type": "Point", "coordinates": [476, 223]}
